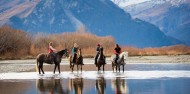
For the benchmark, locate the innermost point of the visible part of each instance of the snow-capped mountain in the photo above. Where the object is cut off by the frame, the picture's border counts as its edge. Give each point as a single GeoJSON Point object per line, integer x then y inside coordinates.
{"type": "Point", "coordinates": [100, 17]}
{"type": "Point", "coordinates": [171, 16]}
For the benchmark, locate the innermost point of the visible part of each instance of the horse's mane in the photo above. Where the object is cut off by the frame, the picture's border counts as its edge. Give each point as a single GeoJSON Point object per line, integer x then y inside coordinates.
{"type": "Point", "coordinates": [123, 53]}
{"type": "Point", "coordinates": [61, 52]}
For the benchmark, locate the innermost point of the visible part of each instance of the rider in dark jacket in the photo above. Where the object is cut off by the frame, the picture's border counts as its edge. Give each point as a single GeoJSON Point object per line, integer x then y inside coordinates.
{"type": "Point", "coordinates": [97, 53]}
{"type": "Point", "coordinates": [117, 51]}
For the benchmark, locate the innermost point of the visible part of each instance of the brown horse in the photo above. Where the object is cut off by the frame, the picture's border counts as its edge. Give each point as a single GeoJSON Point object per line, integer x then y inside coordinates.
{"type": "Point", "coordinates": [78, 61]}
{"type": "Point", "coordinates": [101, 61]}
{"type": "Point", "coordinates": [45, 58]}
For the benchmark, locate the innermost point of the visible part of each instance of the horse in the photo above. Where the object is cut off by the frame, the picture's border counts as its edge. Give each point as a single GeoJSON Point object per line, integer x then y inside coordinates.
{"type": "Point", "coordinates": [101, 61]}
{"type": "Point", "coordinates": [120, 62]}
{"type": "Point", "coordinates": [45, 58]}
{"type": "Point", "coordinates": [78, 61]}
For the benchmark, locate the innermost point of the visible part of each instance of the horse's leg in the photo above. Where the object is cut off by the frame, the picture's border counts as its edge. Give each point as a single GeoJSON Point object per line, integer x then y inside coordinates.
{"type": "Point", "coordinates": [112, 66]}
{"type": "Point", "coordinates": [55, 68]}
{"type": "Point", "coordinates": [72, 67]}
{"type": "Point", "coordinates": [77, 67]}
{"type": "Point", "coordinates": [119, 67]}
{"type": "Point", "coordinates": [39, 69]}
{"type": "Point", "coordinates": [42, 68]}
{"type": "Point", "coordinates": [81, 68]}
{"type": "Point", "coordinates": [116, 67]}
{"type": "Point", "coordinates": [103, 67]}
{"type": "Point", "coordinates": [123, 67]}
{"type": "Point", "coordinates": [98, 67]}
{"type": "Point", "coordinates": [59, 68]}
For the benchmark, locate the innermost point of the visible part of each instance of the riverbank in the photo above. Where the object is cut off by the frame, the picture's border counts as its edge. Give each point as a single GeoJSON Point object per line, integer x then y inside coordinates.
{"type": "Point", "coordinates": [29, 65]}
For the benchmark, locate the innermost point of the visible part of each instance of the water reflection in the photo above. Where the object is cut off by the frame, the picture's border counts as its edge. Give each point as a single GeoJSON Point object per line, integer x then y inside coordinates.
{"type": "Point", "coordinates": [60, 86]}
{"type": "Point", "coordinates": [76, 85]}
{"type": "Point", "coordinates": [50, 86]}
{"type": "Point", "coordinates": [119, 85]}
{"type": "Point", "coordinates": [100, 85]}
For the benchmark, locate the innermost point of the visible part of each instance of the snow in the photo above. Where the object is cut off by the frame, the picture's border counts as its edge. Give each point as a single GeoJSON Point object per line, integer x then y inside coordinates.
{"type": "Point", "coordinates": [133, 74]}
{"type": "Point", "coordinates": [124, 3]}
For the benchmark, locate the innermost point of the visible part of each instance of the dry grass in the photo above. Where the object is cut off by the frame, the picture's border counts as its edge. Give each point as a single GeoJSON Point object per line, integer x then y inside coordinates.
{"type": "Point", "coordinates": [16, 44]}
{"type": "Point", "coordinates": [85, 40]}
{"type": "Point", "coordinates": [167, 50]}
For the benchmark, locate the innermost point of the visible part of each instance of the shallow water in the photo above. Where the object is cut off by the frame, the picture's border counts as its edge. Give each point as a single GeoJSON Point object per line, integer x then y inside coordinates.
{"type": "Point", "coordinates": [97, 86]}
{"type": "Point", "coordinates": [137, 79]}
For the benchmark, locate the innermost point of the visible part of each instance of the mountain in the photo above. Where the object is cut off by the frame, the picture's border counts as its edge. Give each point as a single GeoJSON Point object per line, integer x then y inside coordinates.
{"type": "Point", "coordinates": [100, 17]}
{"type": "Point", "coordinates": [171, 16]}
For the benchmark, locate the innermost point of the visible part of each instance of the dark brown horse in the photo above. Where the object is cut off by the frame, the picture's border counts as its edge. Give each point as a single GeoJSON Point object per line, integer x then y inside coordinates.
{"type": "Point", "coordinates": [101, 61]}
{"type": "Point", "coordinates": [45, 58]}
{"type": "Point", "coordinates": [78, 61]}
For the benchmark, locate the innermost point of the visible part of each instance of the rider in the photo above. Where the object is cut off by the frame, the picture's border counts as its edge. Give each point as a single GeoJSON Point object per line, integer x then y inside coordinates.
{"type": "Point", "coordinates": [117, 51]}
{"type": "Point", "coordinates": [74, 52]}
{"type": "Point", "coordinates": [51, 52]}
{"type": "Point", "coordinates": [97, 53]}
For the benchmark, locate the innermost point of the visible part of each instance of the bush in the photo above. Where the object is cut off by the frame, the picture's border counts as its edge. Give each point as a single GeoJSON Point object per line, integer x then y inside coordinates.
{"type": "Point", "coordinates": [14, 43]}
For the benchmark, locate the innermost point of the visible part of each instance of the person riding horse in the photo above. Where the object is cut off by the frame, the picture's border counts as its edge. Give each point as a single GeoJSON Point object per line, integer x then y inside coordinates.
{"type": "Point", "coordinates": [117, 51]}
{"type": "Point", "coordinates": [97, 53]}
{"type": "Point", "coordinates": [51, 52]}
{"type": "Point", "coordinates": [74, 52]}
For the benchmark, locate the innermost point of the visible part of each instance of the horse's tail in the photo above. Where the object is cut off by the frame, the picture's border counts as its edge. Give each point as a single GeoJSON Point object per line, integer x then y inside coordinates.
{"type": "Point", "coordinates": [37, 64]}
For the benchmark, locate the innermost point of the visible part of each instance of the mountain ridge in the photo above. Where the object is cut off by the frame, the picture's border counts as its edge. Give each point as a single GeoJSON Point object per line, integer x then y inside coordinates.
{"type": "Point", "coordinates": [100, 17]}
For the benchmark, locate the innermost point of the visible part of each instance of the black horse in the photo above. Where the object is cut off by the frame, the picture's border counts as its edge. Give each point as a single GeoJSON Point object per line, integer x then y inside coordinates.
{"type": "Point", "coordinates": [101, 61]}
{"type": "Point", "coordinates": [45, 58]}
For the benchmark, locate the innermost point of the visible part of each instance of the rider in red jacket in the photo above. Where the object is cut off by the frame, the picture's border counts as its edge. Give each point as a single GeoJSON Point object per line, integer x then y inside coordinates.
{"type": "Point", "coordinates": [51, 52]}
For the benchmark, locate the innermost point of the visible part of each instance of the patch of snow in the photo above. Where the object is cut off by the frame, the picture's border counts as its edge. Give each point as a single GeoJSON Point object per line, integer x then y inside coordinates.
{"type": "Point", "coordinates": [124, 3]}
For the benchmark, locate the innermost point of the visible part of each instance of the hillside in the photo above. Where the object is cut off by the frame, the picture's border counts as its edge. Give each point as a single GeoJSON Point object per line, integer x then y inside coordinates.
{"type": "Point", "coordinates": [99, 17]}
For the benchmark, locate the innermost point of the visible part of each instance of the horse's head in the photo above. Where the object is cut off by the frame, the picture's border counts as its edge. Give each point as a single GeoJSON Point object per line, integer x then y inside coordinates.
{"type": "Point", "coordinates": [124, 55]}
{"type": "Point", "coordinates": [79, 51]}
{"type": "Point", "coordinates": [63, 52]}
{"type": "Point", "coordinates": [66, 53]}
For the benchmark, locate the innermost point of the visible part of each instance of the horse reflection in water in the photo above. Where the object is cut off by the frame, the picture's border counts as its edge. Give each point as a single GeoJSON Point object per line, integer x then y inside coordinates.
{"type": "Point", "coordinates": [100, 85]}
{"type": "Point", "coordinates": [76, 85]}
{"type": "Point", "coordinates": [119, 86]}
{"type": "Point", "coordinates": [51, 86]}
